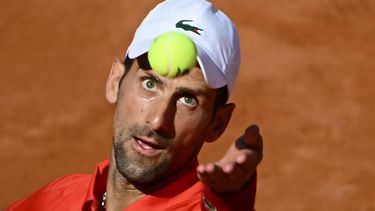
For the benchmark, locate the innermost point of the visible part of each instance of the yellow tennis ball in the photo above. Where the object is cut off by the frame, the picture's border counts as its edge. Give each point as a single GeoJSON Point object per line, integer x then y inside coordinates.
{"type": "Point", "coordinates": [172, 54]}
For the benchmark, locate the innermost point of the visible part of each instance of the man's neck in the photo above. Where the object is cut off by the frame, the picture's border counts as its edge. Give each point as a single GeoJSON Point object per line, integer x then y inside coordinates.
{"type": "Point", "coordinates": [120, 193]}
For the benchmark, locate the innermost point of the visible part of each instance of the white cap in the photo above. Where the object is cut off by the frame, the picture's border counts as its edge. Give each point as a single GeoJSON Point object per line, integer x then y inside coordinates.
{"type": "Point", "coordinates": [213, 33]}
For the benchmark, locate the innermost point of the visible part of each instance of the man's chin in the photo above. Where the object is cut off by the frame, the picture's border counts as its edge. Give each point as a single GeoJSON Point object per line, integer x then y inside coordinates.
{"type": "Point", "coordinates": [140, 171]}
{"type": "Point", "coordinates": [141, 176]}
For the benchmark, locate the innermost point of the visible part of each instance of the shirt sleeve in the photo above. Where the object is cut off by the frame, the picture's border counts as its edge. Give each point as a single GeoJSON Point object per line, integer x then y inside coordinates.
{"type": "Point", "coordinates": [62, 194]}
{"type": "Point", "coordinates": [242, 200]}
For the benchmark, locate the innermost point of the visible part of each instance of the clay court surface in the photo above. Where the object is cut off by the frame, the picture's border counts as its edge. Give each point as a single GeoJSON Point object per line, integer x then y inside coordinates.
{"type": "Point", "coordinates": [307, 79]}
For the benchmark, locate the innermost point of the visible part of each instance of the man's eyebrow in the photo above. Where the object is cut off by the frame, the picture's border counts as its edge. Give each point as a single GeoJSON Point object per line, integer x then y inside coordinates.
{"type": "Point", "coordinates": [180, 90]}
{"type": "Point", "coordinates": [153, 76]}
{"type": "Point", "coordinates": [196, 92]}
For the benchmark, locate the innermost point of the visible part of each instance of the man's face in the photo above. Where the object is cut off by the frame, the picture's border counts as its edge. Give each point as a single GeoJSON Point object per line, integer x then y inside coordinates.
{"type": "Point", "coordinates": [160, 123]}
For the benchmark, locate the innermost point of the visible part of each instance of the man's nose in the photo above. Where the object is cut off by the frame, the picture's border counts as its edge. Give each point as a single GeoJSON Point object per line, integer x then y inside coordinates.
{"type": "Point", "coordinates": [160, 117]}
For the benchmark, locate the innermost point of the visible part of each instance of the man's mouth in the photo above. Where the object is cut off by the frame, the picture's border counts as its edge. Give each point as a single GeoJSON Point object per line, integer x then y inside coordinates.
{"type": "Point", "coordinates": [147, 147]}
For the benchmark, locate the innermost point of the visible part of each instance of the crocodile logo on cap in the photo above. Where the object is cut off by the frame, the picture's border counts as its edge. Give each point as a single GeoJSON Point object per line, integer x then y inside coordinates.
{"type": "Point", "coordinates": [188, 27]}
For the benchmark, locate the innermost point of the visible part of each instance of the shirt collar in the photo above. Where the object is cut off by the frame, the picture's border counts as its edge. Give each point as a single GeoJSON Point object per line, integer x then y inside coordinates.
{"type": "Point", "coordinates": [98, 185]}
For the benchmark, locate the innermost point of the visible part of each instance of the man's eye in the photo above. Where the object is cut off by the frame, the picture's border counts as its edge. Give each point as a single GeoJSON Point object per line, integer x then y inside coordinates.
{"type": "Point", "coordinates": [149, 85]}
{"type": "Point", "coordinates": [189, 101]}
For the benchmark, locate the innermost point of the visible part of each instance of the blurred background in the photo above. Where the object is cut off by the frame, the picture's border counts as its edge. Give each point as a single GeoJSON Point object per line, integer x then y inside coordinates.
{"type": "Point", "coordinates": [307, 79]}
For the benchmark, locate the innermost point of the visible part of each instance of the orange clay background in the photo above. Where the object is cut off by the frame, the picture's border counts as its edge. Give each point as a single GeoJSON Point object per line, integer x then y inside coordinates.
{"type": "Point", "coordinates": [307, 78]}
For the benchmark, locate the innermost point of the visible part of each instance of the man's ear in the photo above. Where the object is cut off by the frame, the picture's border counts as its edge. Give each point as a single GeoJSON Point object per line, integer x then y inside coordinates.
{"type": "Point", "coordinates": [113, 82]}
{"type": "Point", "coordinates": [220, 121]}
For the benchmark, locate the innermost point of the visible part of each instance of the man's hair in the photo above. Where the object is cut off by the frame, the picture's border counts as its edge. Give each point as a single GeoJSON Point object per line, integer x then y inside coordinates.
{"type": "Point", "coordinates": [221, 97]}
{"type": "Point", "coordinates": [128, 64]}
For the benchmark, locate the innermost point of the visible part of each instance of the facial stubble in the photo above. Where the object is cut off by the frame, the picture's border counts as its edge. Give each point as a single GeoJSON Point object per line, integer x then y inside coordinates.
{"type": "Point", "coordinates": [139, 170]}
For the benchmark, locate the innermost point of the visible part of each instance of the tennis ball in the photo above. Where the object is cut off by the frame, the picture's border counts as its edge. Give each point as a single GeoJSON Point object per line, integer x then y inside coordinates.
{"type": "Point", "coordinates": [172, 54]}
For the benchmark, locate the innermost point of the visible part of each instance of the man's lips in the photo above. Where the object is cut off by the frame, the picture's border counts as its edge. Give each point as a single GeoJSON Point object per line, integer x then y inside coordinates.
{"type": "Point", "coordinates": [153, 143]}
{"type": "Point", "coordinates": [147, 144]}
{"type": "Point", "coordinates": [147, 147]}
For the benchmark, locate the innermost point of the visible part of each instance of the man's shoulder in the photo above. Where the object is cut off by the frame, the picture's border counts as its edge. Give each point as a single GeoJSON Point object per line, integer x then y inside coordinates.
{"type": "Point", "coordinates": [65, 193]}
{"type": "Point", "coordinates": [68, 182]}
{"type": "Point", "coordinates": [68, 185]}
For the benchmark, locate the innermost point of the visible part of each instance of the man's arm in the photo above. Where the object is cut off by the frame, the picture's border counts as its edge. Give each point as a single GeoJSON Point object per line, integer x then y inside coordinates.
{"type": "Point", "coordinates": [236, 168]}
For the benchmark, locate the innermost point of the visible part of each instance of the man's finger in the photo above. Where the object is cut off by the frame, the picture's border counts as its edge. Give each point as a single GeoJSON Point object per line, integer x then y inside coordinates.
{"type": "Point", "coordinates": [210, 169]}
{"type": "Point", "coordinates": [251, 139]}
{"type": "Point", "coordinates": [206, 169]}
{"type": "Point", "coordinates": [228, 168]}
{"type": "Point", "coordinates": [214, 178]}
{"type": "Point", "coordinates": [251, 134]}
{"type": "Point", "coordinates": [252, 159]}
{"type": "Point", "coordinates": [234, 171]}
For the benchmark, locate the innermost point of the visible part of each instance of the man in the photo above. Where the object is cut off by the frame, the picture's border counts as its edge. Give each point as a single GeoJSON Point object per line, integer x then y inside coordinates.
{"type": "Point", "coordinates": [160, 125]}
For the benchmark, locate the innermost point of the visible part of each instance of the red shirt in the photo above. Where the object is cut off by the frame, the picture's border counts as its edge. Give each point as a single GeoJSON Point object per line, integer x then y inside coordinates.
{"type": "Point", "coordinates": [186, 193]}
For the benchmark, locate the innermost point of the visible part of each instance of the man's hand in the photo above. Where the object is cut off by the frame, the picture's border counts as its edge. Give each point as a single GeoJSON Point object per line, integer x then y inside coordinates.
{"type": "Point", "coordinates": [235, 169]}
